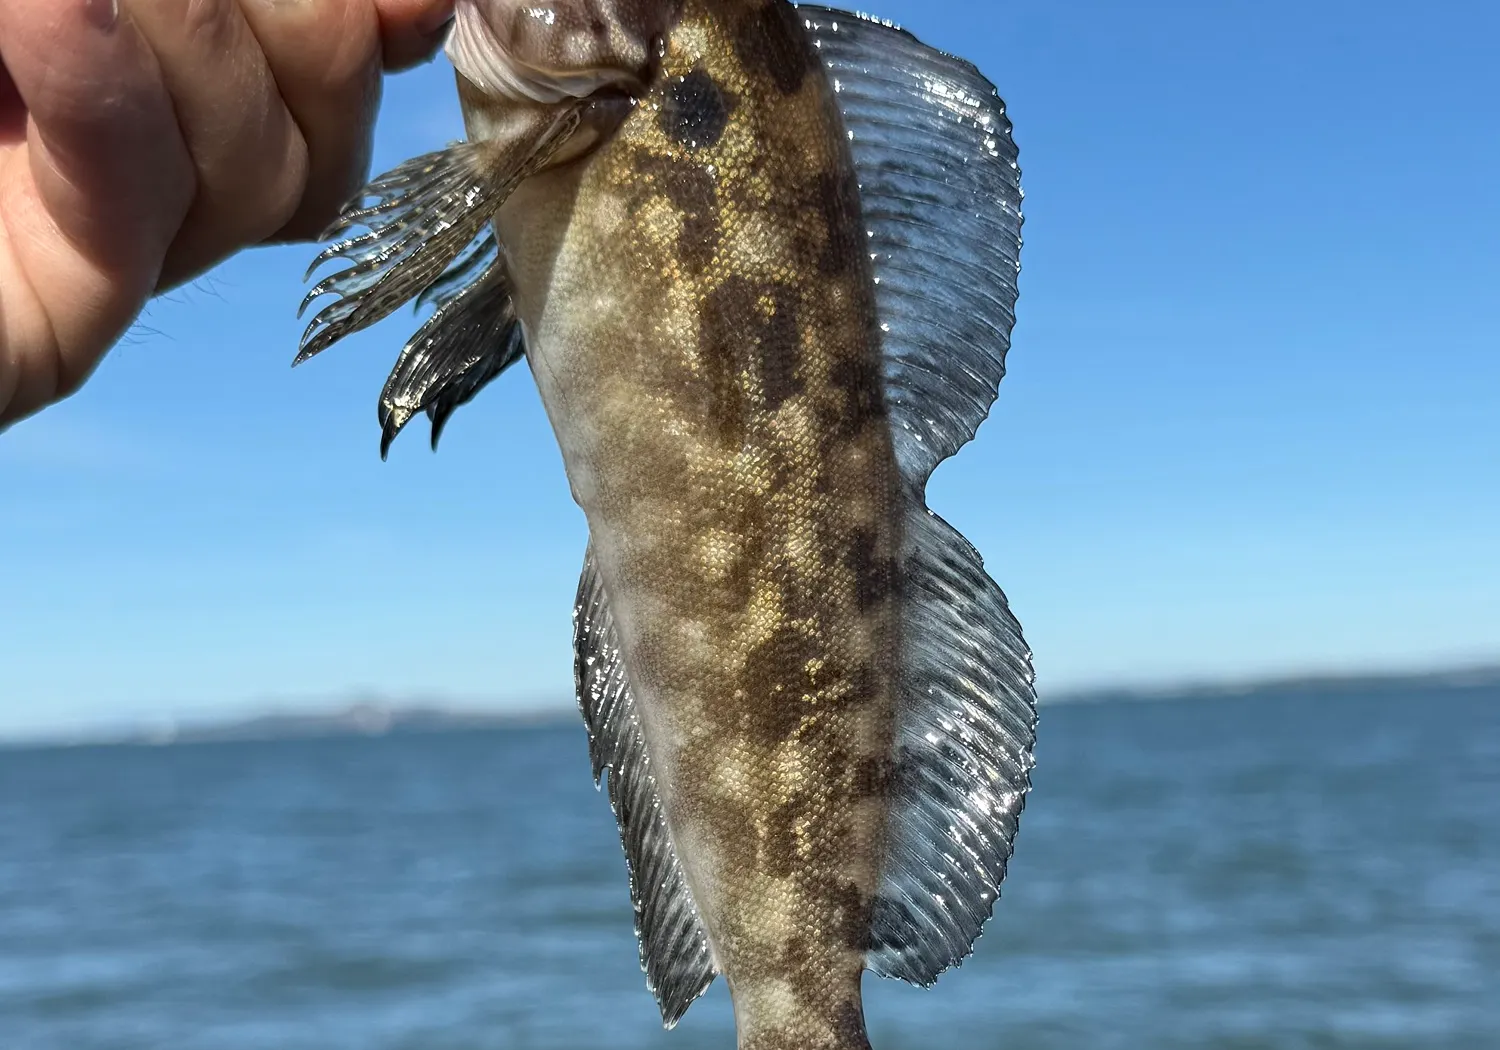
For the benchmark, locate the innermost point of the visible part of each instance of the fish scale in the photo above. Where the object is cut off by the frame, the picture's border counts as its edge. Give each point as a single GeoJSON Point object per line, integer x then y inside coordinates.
{"type": "Point", "coordinates": [748, 557]}
{"type": "Point", "coordinates": [765, 284]}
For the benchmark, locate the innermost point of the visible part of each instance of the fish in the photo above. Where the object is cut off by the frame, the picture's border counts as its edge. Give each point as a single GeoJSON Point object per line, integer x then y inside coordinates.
{"type": "Point", "coordinates": [762, 262]}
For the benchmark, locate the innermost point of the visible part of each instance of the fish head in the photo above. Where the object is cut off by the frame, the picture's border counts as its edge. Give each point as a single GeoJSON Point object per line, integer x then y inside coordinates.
{"type": "Point", "coordinates": [549, 51]}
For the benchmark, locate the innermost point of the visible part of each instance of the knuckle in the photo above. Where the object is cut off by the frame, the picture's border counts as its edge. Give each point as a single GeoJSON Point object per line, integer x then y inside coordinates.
{"type": "Point", "coordinates": [274, 186]}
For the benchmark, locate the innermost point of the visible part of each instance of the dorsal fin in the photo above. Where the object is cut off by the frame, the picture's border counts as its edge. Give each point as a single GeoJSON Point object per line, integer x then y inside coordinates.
{"type": "Point", "coordinates": [940, 193]}
{"type": "Point", "coordinates": [675, 953]}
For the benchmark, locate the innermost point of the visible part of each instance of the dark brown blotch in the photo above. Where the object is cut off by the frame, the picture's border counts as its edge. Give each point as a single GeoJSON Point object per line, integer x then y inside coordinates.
{"type": "Point", "coordinates": [873, 776]}
{"type": "Point", "coordinates": [727, 313]}
{"type": "Point", "coordinates": [874, 574]}
{"type": "Point", "coordinates": [836, 198]}
{"type": "Point", "coordinates": [859, 381]}
{"type": "Point", "coordinates": [836, 760]}
{"type": "Point", "coordinates": [853, 909]}
{"type": "Point", "coordinates": [772, 41]}
{"type": "Point", "coordinates": [694, 192]}
{"type": "Point", "coordinates": [754, 540]}
{"type": "Point", "coordinates": [770, 718]}
{"type": "Point", "coordinates": [695, 111]}
{"type": "Point", "coordinates": [849, 1025]}
{"type": "Point", "coordinates": [824, 736]}
{"type": "Point", "coordinates": [864, 684]}
{"type": "Point", "coordinates": [779, 347]}
{"type": "Point", "coordinates": [805, 597]}
{"type": "Point", "coordinates": [778, 852]}
{"type": "Point", "coordinates": [776, 671]}
{"type": "Point", "coordinates": [736, 337]}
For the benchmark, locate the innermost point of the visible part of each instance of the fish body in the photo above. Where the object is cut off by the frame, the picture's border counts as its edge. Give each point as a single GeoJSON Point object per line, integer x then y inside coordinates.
{"type": "Point", "coordinates": [772, 652]}
{"type": "Point", "coordinates": [702, 330]}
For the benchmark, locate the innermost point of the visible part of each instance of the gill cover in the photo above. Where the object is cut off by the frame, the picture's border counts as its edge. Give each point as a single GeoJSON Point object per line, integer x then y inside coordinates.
{"type": "Point", "coordinates": [550, 50]}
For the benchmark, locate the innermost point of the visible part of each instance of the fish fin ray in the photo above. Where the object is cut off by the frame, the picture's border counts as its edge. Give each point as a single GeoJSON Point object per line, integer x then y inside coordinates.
{"type": "Point", "coordinates": [940, 194]}
{"type": "Point", "coordinates": [471, 338]}
{"type": "Point", "coordinates": [675, 952]}
{"type": "Point", "coordinates": [965, 729]}
{"type": "Point", "coordinates": [467, 268]}
{"type": "Point", "coordinates": [426, 213]}
{"type": "Point", "coordinates": [445, 201]}
{"type": "Point", "coordinates": [940, 190]}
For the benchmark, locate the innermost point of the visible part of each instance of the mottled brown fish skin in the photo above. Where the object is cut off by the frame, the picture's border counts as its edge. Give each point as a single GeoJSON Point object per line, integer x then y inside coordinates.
{"type": "Point", "coordinates": [698, 302]}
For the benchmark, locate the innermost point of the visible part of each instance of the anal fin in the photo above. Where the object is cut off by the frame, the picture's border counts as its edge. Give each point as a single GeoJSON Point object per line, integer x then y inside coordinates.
{"type": "Point", "coordinates": [966, 725]}
{"type": "Point", "coordinates": [675, 953]}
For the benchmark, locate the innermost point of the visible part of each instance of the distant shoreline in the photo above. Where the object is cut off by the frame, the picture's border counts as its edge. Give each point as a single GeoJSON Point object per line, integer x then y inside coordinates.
{"type": "Point", "coordinates": [1472, 677]}
{"type": "Point", "coordinates": [377, 718]}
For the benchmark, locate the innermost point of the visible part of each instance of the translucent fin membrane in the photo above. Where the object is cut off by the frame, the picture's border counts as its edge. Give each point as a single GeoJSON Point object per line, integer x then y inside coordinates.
{"type": "Point", "coordinates": [470, 264]}
{"type": "Point", "coordinates": [965, 731]}
{"type": "Point", "coordinates": [675, 953]}
{"type": "Point", "coordinates": [424, 214]}
{"type": "Point", "coordinates": [940, 193]}
{"type": "Point", "coordinates": [471, 338]}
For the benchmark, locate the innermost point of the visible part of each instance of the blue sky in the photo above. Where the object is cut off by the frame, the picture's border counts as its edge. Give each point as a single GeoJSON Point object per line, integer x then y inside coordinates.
{"type": "Point", "coordinates": [1252, 424]}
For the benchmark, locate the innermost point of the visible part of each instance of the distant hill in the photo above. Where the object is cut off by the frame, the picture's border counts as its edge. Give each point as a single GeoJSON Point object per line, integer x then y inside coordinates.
{"type": "Point", "coordinates": [361, 719]}
{"type": "Point", "coordinates": [368, 717]}
{"type": "Point", "coordinates": [1466, 678]}
{"type": "Point", "coordinates": [364, 718]}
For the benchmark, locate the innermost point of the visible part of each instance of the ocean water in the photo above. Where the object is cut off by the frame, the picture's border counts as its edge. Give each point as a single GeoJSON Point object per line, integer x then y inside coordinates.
{"type": "Point", "coordinates": [1270, 871]}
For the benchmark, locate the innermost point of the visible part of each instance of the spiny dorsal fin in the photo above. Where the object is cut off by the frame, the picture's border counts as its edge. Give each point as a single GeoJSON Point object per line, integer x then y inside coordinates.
{"type": "Point", "coordinates": [941, 195]}
{"type": "Point", "coordinates": [674, 946]}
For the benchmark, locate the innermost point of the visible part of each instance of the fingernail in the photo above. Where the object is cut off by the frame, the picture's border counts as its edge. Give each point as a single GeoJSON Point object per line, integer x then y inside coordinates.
{"type": "Point", "coordinates": [102, 13]}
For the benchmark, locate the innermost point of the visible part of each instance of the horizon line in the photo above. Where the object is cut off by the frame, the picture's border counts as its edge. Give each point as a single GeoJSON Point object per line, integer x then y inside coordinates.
{"type": "Point", "coordinates": [371, 713]}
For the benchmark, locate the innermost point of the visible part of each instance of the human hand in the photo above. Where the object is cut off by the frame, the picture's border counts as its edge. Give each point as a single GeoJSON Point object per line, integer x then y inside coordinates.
{"type": "Point", "coordinates": [143, 141]}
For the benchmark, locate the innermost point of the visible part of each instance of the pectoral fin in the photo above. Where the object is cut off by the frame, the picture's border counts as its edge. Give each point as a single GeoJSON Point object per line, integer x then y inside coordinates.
{"type": "Point", "coordinates": [428, 239]}
{"type": "Point", "coordinates": [424, 214]}
{"type": "Point", "coordinates": [471, 338]}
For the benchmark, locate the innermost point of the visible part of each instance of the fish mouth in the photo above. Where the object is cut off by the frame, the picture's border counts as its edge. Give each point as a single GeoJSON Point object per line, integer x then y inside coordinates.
{"type": "Point", "coordinates": [481, 57]}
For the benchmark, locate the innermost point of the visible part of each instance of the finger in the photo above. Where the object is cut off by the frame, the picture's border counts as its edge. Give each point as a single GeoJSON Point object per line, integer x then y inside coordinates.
{"type": "Point", "coordinates": [325, 56]}
{"type": "Point", "coordinates": [105, 151]}
{"type": "Point", "coordinates": [412, 30]}
{"type": "Point", "coordinates": [91, 201]}
{"type": "Point", "coordinates": [249, 155]}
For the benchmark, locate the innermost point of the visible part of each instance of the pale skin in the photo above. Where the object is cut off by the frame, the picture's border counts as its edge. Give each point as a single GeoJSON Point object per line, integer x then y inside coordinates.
{"type": "Point", "coordinates": [144, 141]}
